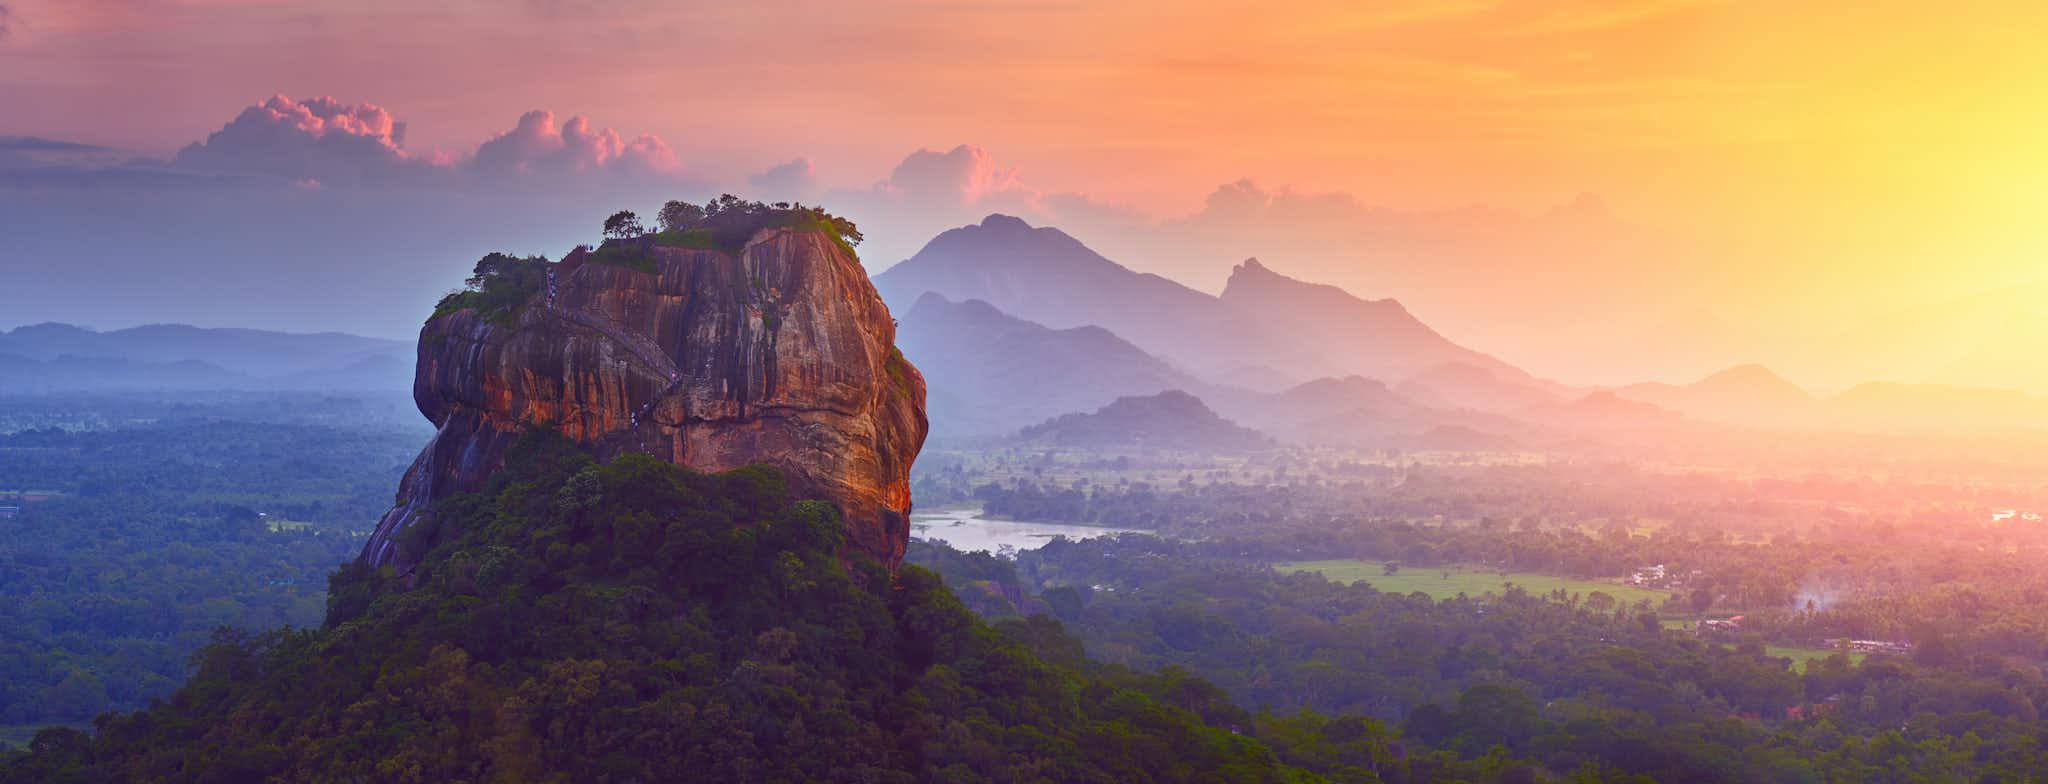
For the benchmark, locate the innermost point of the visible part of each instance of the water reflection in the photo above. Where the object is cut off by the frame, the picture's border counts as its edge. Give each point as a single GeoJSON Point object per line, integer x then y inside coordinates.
{"type": "Point", "coordinates": [964, 529]}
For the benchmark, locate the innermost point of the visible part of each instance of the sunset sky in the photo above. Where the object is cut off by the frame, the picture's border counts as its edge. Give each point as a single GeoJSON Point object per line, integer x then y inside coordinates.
{"type": "Point", "coordinates": [1532, 178]}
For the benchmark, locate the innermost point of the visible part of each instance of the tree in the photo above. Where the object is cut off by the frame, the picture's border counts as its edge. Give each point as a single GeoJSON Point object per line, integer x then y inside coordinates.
{"type": "Point", "coordinates": [1702, 599]}
{"type": "Point", "coordinates": [623, 224]}
{"type": "Point", "coordinates": [1066, 601]}
{"type": "Point", "coordinates": [677, 215]}
{"type": "Point", "coordinates": [1391, 568]}
{"type": "Point", "coordinates": [1491, 713]}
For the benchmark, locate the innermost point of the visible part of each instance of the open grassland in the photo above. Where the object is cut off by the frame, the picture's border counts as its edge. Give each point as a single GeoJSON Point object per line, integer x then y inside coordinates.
{"type": "Point", "coordinates": [1801, 657]}
{"type": "Point", "coordinates": [1447, 582]}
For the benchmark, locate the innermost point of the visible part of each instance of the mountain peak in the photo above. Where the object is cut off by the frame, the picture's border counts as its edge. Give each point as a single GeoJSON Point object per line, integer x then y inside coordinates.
{"type": "Point", "coordinates": [929, 299]}
{"type": "Point", "coordinates": [1251, 271]}
{"type": "Point", "coordinates": [1752, 378]}
{"type": "Point", "coordinates": [1001, 222]}
{"type": "Point", "coordinates": [1252, 279]}
{"type": "Point", "coordinates": [933, 305]}
{"type": "Point", "coordinates": [1170, 419]}
{"type": "Point", "coordinates": [1748, 371]}
{"type": "Point", "coordinates": [51, 328]}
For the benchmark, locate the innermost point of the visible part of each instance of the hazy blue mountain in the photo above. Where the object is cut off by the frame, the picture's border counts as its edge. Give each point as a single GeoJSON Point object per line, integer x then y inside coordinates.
{"type": "Point", "coordinates": [1373, 338]}
{"type": "Point", "coordinates": [251, 351]}
{"type": "Point", "coordinates": [1266, 331]}
{"type": "Point", "coordinates": [1043, 275]}
{"type": "Point", "coordinates": [990, 373]}
{"type": "Point", "coordinates": [22, 375]}
{"type": "Point", "coordinates": [1354, 411]}
{"type": "Point", "coordinates": [1461, 385]}
{"type": "Point", "coordinates": [1744, 394]}
{"type": "Point", "coordinates": [1605, 411]}
{"type": "Point", "coordinates": [1169, 420]}
{"type": "Point", "coordinates": [65, 357]}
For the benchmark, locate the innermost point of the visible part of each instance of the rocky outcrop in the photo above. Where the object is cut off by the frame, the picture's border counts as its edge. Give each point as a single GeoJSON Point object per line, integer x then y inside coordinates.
{"type": "Point", "coordinates": [781, 354]}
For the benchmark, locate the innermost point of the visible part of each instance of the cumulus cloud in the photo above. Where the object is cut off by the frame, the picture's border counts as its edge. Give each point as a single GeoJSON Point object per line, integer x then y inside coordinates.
{"type": "Point", "coordinates": [318, 138]}
{"type": "Point", "coordinates": [1246, 206]}
{"type": "Point", "coordinates": [537, 146]}
{"type": "Point", "coordinates": [325, 142]}
{"type": "Point", "coordinates": [784, 181]}
{"type": "Point", "coordinates": [963, 175]}
{"type": "Point", "coordinates": [931, 191]}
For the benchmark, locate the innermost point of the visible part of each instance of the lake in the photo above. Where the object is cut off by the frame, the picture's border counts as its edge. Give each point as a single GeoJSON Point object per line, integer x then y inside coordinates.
{"type": "Point", "coordinates": [964, 529]}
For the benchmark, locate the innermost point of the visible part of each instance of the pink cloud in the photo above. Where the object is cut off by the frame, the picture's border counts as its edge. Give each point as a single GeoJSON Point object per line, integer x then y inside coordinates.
{"type": "Point", "coordinates": [318, 138]}
{"type": "Point", "coordinates": [327, 141]}
{"type": "Point", "coordinates": [793, 179]}
{"type": "Point", "coordinates": [537, 146]}
{"type": "Point", "coordinates": [931, 191]}
{"type": "Point", "coordinates": [964, 175]}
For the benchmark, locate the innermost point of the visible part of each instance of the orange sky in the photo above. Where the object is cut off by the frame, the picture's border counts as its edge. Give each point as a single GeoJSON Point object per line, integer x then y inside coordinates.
{"type": "Point", "coordinates": [1808, 165]}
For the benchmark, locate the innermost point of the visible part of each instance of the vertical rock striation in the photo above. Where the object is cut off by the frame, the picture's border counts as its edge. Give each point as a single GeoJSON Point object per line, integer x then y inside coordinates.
{"type": "Point", "coordinates": [780, 355]}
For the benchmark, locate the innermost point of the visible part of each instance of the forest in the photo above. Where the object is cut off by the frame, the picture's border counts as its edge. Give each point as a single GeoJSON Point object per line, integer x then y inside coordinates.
{"type": "Point", "coordinates": [149, 523]}
{"type": "Point", "coordinates": [1512, 687]}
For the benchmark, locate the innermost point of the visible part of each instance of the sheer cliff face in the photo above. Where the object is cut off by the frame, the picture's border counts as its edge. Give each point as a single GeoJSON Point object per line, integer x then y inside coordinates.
{"type": "Point", "coordinates": [782, 356]}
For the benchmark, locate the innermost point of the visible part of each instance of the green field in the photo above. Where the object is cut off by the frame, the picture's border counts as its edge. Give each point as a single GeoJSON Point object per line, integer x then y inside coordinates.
{"type": "Point", "coordinates": [1802, 656]}
{"type": "Point", "coordinates": [1471, 582]}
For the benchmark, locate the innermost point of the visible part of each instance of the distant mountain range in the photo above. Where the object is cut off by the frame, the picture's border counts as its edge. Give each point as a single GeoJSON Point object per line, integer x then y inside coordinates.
{"type": "Point", "coordinates": [61, 357]}
{"type": "Point", "coordinates": [1169, 420]}
{"type": "Point", "coordinates": [1013, 324]}
{"type": "Point", "coordinates": [1346, 334]}
{"type": "Point", "coordinates": [1745, 394]}
{"type": "Point", "coordinates": [1462, 385]}
{"type": "Point", "coordinates": [1356, 412]}
{"type": "Point", "coordinates": [1265, 330]}
{"type": "Point", "coordinates": [1755, 396]}
{"type": "Point", "coordinates": [990, 373]}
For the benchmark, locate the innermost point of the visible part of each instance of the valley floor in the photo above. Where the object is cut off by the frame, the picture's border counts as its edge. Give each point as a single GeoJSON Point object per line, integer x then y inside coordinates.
{"type": "Point", "coordinates": [1449, 582]}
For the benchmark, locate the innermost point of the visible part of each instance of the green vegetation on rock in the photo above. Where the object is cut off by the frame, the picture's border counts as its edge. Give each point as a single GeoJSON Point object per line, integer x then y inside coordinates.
{"type": "Point", "coordinates": [497, 287]}
{"type": "Point", "coordinates": [726, 223]}
{"type": "Point", "coordinates": [631, 254]}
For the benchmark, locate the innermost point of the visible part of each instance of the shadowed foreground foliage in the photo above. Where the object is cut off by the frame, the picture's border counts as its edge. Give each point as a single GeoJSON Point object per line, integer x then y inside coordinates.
{"type": "Point", "coordinates": [638, 622]}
